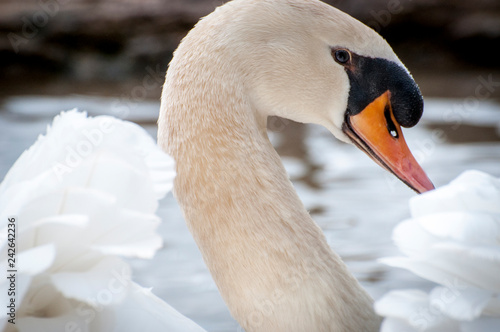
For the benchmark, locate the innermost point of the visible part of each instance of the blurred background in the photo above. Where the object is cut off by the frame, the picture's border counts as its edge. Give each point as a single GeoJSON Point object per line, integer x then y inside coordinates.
{"type": "Point", "coordinates": [110, 57]}
{"type": "Point", "coordinates": [103, 47]}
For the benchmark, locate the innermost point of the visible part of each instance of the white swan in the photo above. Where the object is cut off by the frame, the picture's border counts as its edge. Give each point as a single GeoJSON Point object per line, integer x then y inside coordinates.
{"type": "Point", "coordinates": [76, 218]}
{"type": "Point", "coordinates": [305, 61]}
{"type": "Point", "coordinates": [453, 239]}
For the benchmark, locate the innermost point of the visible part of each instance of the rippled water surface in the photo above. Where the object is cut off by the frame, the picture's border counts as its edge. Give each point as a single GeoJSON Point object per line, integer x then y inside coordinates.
{"type": "Point", "coordinates": [354, 201]}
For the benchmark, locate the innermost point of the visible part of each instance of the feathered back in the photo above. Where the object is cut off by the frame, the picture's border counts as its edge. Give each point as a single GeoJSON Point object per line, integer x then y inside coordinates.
{"type": "Point", "coordinates": [85, 195]}
{"type": "Point", "coordinates": [453, 240]}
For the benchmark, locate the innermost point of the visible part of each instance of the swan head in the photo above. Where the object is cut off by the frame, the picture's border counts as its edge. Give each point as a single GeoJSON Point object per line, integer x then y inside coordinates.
{"type": "Point", "coordinates": [309, 62]}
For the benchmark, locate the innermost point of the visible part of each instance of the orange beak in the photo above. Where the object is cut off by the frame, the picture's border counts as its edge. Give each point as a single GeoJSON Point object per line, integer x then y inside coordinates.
{"type": "Point", "coordinates": [375, 131]}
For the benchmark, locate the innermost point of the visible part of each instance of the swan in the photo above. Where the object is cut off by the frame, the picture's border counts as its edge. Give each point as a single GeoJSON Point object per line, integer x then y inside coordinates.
{"type": "Point", "coordinates": [302, 60]}
{"type": "Point", "coordinates": [453, 240]}
{"type": "Point", "coordinates": [76, 220]}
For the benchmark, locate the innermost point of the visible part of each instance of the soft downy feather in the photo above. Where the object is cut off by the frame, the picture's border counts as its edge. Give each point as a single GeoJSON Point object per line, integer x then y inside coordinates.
{"type": "Point", "coordinates": [85, 196]}
{"type": "Point", "coordinates": [453, 239]}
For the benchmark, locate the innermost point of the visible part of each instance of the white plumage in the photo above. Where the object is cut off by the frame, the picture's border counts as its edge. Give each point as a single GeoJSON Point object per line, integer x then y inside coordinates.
{"type": "Point", "coordinates": [85, 196]}
{"type": "Point", "coordinates": [453, 239]}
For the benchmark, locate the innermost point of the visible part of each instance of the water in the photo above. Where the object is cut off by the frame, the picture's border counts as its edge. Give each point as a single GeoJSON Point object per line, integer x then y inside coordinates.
{"type": "Point", "coordinates": [354, 201]}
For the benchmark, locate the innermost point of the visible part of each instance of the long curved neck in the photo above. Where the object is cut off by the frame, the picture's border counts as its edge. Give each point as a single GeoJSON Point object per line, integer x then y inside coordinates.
{"type": "Point", "coordinates": [269, 259]}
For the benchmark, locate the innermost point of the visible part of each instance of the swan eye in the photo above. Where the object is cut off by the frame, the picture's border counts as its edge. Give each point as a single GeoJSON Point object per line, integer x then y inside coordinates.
{"type": "Point", "coordinates": [342, 56]}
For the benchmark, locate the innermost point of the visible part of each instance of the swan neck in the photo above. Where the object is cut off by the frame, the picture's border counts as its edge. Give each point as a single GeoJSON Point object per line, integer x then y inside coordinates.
{"type": "Point", "coordinates": [269, 259]}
